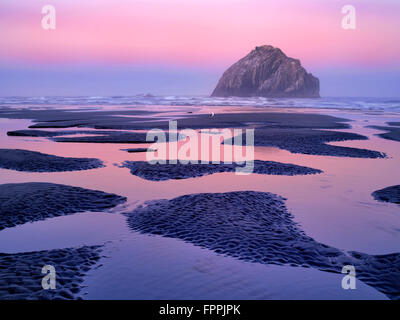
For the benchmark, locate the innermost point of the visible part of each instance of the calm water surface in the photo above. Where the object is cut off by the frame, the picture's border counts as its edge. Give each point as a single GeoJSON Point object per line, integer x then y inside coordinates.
{"type": "Point", "coordinates": [335, 208]}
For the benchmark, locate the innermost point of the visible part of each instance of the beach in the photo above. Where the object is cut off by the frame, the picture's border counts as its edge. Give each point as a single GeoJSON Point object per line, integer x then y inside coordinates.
{"type": "Point", "coordinates": [315, 174]}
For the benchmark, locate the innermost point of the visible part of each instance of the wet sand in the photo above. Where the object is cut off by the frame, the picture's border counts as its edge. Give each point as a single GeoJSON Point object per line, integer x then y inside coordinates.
{"type": "Point", "coordinates": [49, 134]}
{"type": "Point", "coordinates": [313, 142]}
{"type": "Point", "coordinates": [21, 273]}
{"type": "Point", "coordinates": [31, 161]}
{"type": "Point", "coordinates": [162, 172]}
{"type": "Point", "coordinates": [344, 153]}
{"type": "Point", "coordinates": [389, 194]}
{"type": "Point", "coordinates": [256, 227]}
{"type": "Point", "coordinates": [137, 150]}
{"type": "Point", "coordinates": [392, 133]}
{"type": "Point", "coordinates": [134, 120]}
{"type": "Point", "coordinates": [27, 202]}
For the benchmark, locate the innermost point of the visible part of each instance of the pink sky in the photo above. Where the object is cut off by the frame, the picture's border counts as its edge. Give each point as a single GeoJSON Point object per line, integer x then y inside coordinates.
{"type": "Point", "coordinates": [179, 41]}
{"type": "Point", "coordinates": [199, 32]}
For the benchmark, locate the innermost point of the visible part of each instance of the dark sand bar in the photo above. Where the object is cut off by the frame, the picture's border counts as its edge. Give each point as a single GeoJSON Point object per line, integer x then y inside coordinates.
{"type": "Point", "coordinates": [392, 133]}
{"type": "Point", "coordinates": [295, 132]}
{"type": "Point", "coordinates": [314, 142]}
{"type": "Point", "coordinates": [389, 194]}
{"type": "Point", "coordinates": [160, 172]}
{"type": "Point", "coordinates": [21, 273]}
{"type": "Point", "coordinates": [32, 161]}
{"type": "Point", "coordinates": [138, 150]}
{"type": "Point", "coordinates": [56, 118]}
{"type": "Point", "coordinates": [132, 137]}
{"type": "Point", "coordinates": [257, 227]}
{"type": "Point", "coordinates": [27, 202]}
{"type": "Point", "coordinates": [125, 120]}
{"type": "Point", "coordinates": [48, 134]}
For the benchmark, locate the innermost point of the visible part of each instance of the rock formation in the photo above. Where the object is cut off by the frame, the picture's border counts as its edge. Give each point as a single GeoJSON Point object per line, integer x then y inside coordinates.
{"type": "Point", "coordinates": [267, 72]}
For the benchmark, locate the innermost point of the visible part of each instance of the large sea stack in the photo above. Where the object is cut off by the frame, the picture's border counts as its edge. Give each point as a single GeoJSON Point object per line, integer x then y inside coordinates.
{"type": "Point", "coordinates": [267, 72]}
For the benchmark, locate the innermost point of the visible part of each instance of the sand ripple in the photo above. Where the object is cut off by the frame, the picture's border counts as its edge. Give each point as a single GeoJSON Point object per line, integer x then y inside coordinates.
{"type": "Point", "coordinates": [32, 161]}
{"type": "Point", "coordinates": [389, 194]}
{"type": "Point", "coordinates": [27, 202]}
{"type": "Point", "coordinates": [159, 172]}
{"type": "Point", "coordinates": [256, 227]}
{"type": "Point", "coordinates": [21, 277]}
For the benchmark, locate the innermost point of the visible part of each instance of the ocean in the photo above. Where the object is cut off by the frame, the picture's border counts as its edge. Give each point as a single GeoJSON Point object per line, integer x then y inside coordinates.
{"type": "Point", "coordinates": [343, 103]}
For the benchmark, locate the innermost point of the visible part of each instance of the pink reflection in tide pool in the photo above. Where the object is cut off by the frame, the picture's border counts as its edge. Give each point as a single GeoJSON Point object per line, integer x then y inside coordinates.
{"type": "Point", "coordinates": [335, 208]}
